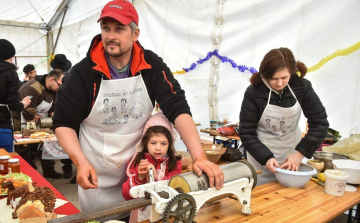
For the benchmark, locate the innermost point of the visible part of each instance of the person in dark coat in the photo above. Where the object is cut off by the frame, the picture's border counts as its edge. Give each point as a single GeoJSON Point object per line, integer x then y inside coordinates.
{"type": "Point", "coordinates": [61, 62]}
{"type": "Point", "coordinates": [9, 94]}
{"type": "Point", "coordinates": [15, 68]}
{"type": "Point", "coordinates": [270, 113]}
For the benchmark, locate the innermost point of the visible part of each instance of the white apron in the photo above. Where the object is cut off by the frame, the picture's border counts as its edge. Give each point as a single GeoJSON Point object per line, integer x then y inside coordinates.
{"type": "Point", "coordinates": [108, 139]}
{"type": "Point", "coordinates": [42, 109]}
{"type": "Point", "coordinates": [278, 130]}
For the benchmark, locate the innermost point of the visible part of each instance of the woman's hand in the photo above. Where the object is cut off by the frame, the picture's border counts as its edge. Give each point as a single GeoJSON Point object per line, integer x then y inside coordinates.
{"type": "Point", "coordinates": [270, 164]}
{"type": "Point", "coordinates": [293, 161]}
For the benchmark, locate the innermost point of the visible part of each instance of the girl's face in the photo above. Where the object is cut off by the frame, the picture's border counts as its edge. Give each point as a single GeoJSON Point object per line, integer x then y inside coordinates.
{"type": "Point", "coordinates": [158, 145]}
{"type": "Point", "coordinates": [280, 79]}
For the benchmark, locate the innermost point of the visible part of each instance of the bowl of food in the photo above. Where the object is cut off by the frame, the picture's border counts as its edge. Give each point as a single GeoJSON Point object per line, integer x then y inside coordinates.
{"type": "Point", "coordinates": [328, 157]}
{"type": "Point", "coordinates": [317, 164]}
{"type": "Point", "coordinates": [295, 179]}
{"type": "Point", "coordinates": [351, 167]}
{"type": "Point", "coordinates": [213, 152]}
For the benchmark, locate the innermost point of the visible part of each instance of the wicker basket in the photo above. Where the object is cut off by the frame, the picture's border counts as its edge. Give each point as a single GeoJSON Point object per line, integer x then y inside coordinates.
{"type": "Point", "coordinates": [213, 155]}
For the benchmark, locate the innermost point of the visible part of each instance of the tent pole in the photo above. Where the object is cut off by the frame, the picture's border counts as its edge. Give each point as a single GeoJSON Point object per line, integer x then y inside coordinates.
{"type": "Point", "coordinates": [57, 37]}
{"type": "Point", "coordinates": [216, 38]}
{"type": "Point", "coordinates": [49, 47]}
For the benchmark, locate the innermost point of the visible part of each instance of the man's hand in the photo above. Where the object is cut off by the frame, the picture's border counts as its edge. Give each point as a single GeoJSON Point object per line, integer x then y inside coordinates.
{"type": "Point", "coordinates": [86, 176]}
{"type": "Point", "coordinates": [37, 117]}
{"type": "Point", "coordinates": [212, 170]}
{"type": "Point", "coordinates": [293, 161]}
{"type": "Point", "coordinates": [271, 163]}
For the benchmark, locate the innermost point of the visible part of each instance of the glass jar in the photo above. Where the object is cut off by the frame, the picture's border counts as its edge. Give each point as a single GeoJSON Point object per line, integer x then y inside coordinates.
{"type": "Point", "coordinates": [4, 160]}
{"type": "Point", "coordinates": [14, 165]}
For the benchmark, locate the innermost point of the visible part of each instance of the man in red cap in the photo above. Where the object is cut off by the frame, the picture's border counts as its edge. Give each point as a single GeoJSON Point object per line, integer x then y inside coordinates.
{"type": "Point", "coordinates": [120, 76]}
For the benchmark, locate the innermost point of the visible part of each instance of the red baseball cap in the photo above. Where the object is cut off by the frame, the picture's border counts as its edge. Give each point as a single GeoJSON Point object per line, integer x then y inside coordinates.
{"type": "Point", "coordinates": [120, 10]}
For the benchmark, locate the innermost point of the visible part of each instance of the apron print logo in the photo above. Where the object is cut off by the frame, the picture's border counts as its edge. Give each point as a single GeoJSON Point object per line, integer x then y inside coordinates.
{"type": "Point", "coordinates": [112, 120]}
{"type": "Point", "coordinates": [281, 130]}
{"type": "Point", "coordinates": [123, 105]}
{"type": "Point", "coordinates": [137, 110]}
{"type": "Point", "coordinates": [113, 110]}
{"type": "Point", "coordinates": [106, 105]}
{"type": "Point", "coordinates": [126, 118]}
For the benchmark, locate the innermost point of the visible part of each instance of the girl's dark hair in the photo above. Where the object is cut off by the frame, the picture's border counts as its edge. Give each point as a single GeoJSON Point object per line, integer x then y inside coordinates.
{"type": "Point", "coordinates": [275, 60]}
{"type": "Point", "coordinates": [173, 158]}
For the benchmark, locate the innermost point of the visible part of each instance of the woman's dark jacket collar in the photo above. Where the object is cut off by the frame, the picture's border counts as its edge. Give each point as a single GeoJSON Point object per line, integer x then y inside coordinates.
{"type": "Point", "coordinates": [295, 83]}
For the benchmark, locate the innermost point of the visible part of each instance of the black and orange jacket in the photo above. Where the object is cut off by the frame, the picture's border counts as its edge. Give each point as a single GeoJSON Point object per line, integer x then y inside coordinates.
{"type": "Point", "coordinates": [81, 86]}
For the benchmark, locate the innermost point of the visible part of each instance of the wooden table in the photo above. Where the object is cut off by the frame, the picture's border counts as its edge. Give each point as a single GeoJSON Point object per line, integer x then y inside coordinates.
{"type": "Point", "coordinates": [27, 141]}
{"type": "Point", "coordinates": [272, 202]}
{"type": "Point", "coordinates": [214, 133]}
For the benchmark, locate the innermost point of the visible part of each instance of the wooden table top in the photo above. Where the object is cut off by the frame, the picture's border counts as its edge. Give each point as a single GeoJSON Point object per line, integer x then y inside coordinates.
{"type": "Point", "coordinates": [27, 141]}
{"type": "Point", "coordinates": [272, 202]}
{"type": "Point", "coordinates": [215, 133]}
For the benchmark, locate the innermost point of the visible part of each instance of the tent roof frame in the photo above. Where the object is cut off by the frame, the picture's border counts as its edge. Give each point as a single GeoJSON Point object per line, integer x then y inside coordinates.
{"type": "Point", "coordinates": [64, 5]}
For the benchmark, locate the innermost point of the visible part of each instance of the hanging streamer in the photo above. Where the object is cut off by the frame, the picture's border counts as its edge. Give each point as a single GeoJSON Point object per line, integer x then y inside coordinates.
{"type": "Point", "coordinates": [223, 59]}
{"type": "Point", "coordinates": [337, 53]}
{"type": "Point", "coordinates": [243, 68]}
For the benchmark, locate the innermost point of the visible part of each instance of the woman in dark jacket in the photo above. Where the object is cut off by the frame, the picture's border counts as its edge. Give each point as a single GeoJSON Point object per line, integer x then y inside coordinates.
{"type": "Point", "coordinates": [9, 94]}
{"type": "Point", "coordinates": [270, 113]}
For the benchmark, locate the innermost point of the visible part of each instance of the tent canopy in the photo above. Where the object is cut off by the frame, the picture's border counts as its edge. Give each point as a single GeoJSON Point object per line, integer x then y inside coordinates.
{"type": "Point", "coordinates": [211, 46]}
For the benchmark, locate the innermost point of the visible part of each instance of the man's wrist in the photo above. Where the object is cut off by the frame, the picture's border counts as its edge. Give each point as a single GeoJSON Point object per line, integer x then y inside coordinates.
{"type": "Point", "coordinates": [202, 157]}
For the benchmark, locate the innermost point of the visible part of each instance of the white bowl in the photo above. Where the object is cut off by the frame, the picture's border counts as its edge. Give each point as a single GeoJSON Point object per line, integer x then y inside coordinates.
{"type": "Point", "coordinates": [351, 167]}
{"type": "Point", "coordinates": [296, 179]}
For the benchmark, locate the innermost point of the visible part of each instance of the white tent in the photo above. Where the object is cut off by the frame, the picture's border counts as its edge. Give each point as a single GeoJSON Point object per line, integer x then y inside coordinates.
{"type": "Point", "coordinates": [324, 34]}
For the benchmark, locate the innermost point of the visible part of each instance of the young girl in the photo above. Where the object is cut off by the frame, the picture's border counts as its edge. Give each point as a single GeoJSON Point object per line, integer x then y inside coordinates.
{"type": "Point", "coordinates": [155, 150]}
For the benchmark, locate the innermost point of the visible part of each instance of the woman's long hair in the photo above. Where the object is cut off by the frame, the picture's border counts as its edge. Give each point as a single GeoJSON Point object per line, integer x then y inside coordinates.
{"type": "Point", "coordinates": [275, 60]}
{"type": "Point", "coordinates": [173, 158]}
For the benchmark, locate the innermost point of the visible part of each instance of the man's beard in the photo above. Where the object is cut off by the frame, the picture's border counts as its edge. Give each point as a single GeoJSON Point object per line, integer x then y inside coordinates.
{"type": "Point", "coordinates": [119, 54]}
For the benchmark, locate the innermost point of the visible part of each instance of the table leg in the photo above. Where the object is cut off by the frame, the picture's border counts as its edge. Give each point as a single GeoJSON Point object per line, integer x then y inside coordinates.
{"type": "Point", "coordinates": [350, 216]}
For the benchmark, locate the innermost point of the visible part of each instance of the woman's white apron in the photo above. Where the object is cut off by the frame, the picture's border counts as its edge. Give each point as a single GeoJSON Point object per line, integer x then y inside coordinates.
{"type": "Point", "coordinates": [108, 139]}
{"type": "Point", "coordinates": [278, 130]}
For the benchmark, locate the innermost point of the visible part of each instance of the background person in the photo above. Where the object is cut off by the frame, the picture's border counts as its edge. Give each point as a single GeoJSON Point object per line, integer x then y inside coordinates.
{"type": "Point", "coordinates": [43, 89]}
{"type": "Point", "coordinates": [117, 67]}
{"type": "Point", "coordinates": [15, 68]}
{"type": "Point", "coordinates": [61, 62]}
{"type": "Point", "coordinates": [9, 95]}
{"type": "Point", "coordinates": [30, 73]}
{"type": "Point", "coordinates": [155, 150]}
{"type": "Point", "coordinates": [270, 112]}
